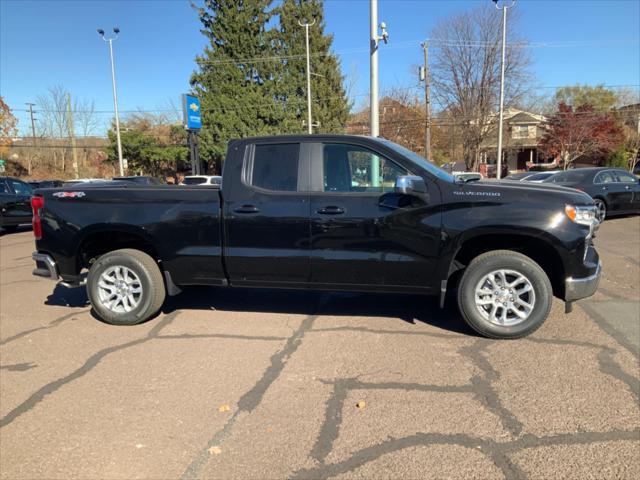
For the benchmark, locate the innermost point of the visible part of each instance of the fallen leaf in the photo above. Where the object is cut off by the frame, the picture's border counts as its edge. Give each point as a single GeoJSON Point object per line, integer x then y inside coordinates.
{"type": "Point", "coordinates": [224, 408]}
{"type": "Point", "coordinates": [215, 451]}
{"type": "Point", "coordinates": [361, 404]}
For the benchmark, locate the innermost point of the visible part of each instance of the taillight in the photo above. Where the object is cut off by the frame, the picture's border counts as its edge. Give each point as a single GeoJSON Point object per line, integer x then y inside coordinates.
{"type": "Point", "coordinates": [36, 204]}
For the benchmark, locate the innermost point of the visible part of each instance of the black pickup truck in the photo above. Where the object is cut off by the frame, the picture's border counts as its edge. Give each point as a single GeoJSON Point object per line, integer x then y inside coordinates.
{"type": "Point", "coordinates": [326, 212]}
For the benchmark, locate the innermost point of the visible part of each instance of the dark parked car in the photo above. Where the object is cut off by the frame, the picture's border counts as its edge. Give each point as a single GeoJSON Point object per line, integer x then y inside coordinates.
{"type": "Point", "coordinates": [614, 190]}
{"type": "Point", "coordinates": [325, 212]}
{"type": "Point", "coordinates": [140, 180]}
{"type": "Point", "coordinates": [46, 183]}
{"type": "Point", "coordinates": [15, 206]}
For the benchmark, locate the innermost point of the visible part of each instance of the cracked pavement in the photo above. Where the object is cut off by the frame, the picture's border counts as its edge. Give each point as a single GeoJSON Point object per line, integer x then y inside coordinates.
{"type": "Point", "coordinates": [82, 399]}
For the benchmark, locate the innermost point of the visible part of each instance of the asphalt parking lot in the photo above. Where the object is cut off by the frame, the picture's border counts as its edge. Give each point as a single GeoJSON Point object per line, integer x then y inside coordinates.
{"type": "Point", "coordinates": [267, 384]}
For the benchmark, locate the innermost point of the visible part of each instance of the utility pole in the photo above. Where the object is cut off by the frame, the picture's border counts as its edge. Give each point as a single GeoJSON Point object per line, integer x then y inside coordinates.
{"type": "Point", "coordinates": [374, 41]}
{"type": "Point", "coordinates": [33, 136]}
{"type": "Point", "coordinates": [116, 31]}
{"type": "Point", "coordinates": [74, 150]}
{"type": "Point", "coordinates": [425, 77]}
{"type": "Point", "coordinates": [309, 121]}
{"type": "Point", "coordinates": [504, 42]}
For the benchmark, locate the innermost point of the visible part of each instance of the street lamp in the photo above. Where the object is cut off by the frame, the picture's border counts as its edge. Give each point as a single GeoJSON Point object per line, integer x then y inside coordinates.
{"type": "Point", "coordinates": [116, 31]}
{"type": "Point", "coordinates": [306, 29]}
{"type": "Point", "coordinates": [504, 41]}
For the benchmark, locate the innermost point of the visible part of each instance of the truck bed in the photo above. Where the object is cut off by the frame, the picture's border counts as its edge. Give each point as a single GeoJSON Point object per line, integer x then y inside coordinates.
{"type": "Point", "coordinates": [182, 225]}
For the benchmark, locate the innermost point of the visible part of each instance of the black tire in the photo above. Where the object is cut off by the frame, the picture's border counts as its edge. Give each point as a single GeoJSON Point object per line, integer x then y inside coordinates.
{"type": "Point", "coordinates": [601, 209]}
{"type": "Point", "coordinates": [10, 228]}
{"type": "Point", "coordinates": [148, 272]}
{"type": "Point", "coordinates": [505, 260]}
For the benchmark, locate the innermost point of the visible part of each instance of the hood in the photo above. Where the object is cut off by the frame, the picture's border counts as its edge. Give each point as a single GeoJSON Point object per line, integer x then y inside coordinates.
{"type": "Point", "coordinates": [535, 192]}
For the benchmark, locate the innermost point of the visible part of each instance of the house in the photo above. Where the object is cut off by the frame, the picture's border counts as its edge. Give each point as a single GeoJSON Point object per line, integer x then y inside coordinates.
{"type": "Point", "coordinates": [521, 134]}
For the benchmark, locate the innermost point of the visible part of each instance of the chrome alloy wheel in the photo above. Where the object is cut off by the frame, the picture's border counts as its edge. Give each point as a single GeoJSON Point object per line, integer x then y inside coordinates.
{"type": "Point", "coordinates": [601, 210]}
{"type": "Point", "coordinates": [505, 297]}
{"type": "Point", "coordinates": [119, 289]}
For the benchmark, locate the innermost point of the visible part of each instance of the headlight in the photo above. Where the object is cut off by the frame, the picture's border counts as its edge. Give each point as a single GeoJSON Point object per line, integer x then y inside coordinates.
{"type": "Point", "coordinates": [581, 215]}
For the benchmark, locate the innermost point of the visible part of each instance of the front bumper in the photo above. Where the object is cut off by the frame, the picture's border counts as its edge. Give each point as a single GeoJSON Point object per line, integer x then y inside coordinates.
{"type": "Point", "coordinates": [45, 266]}
{"type": "Point", "coordinates": [577, 288]}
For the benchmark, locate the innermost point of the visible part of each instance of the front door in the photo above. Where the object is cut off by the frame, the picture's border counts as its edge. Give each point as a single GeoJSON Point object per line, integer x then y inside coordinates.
{"type": "Point", "coordinates": [266, 208]}
{"type": "Point", "coordinates": [363, 235]}
{"type": "Point", "coordinates": [19, 205]}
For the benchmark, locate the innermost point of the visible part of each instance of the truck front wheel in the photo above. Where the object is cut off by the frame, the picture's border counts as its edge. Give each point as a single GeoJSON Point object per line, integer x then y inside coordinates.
{"type": "Point", "coordinates": [125, 287]}
{"type": "Point", "coordinates": [504, 294]}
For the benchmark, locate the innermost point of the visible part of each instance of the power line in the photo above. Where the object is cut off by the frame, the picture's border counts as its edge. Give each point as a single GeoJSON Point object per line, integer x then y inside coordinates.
{"type": "Point", "coordinates": [387, 92]}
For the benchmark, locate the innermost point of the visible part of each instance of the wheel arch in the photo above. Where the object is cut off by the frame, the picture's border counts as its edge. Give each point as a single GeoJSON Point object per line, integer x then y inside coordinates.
{"type": "Point", "coordinates": [101, 239]}
{"type": "Point", "coordinates": [538, 247]}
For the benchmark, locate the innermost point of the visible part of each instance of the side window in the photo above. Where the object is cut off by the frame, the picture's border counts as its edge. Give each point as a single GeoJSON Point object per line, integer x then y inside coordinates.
{"type": "Point", "coordinates": [274, 167]}
{"type": "Point", "coordinates": [21, 188]}
{"type": "Point", "coordinates": [350, 168]}
{"type": "Point", "coordinates": [625, 177]}
{"type": "Point", "coordinates": [605, 177]}
{"type": "Point", "coordinates": [4, 188]}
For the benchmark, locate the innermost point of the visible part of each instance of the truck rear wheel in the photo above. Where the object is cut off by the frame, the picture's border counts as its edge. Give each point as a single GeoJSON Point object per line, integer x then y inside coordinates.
{"type": "Point", "coordinates": [504, 294]}
{"type": "Point", "coordinates": [125, 287]}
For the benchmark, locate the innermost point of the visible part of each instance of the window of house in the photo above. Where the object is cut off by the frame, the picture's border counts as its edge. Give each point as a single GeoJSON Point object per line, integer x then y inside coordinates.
{"type": "Point", "coordinates": [351, 168]}
{"type": "Point", "coordinates": [524, 131]}
{"type": "Point", "coordinates": [275, 167]}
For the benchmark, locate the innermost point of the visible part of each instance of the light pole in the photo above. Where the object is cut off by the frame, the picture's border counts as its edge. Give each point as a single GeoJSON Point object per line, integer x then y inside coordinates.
{"type": "Point", "coordinates": [116, 31]}
{"type": "Point", "coordinates": [374, 40]}
{"type": "Point", "coordinates": [504, 42]}
{"type": "Point", "coordinates": [306, 28]}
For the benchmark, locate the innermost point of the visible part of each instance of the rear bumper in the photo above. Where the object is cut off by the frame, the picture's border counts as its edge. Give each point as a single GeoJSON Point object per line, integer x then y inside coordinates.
{"type": "Point", "coordinates": [45, 266]}
{"type": "Point", "coordinates": [577, 288]}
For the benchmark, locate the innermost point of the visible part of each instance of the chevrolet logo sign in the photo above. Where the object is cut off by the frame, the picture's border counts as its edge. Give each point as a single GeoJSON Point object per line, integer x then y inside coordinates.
{"type": "Point", "coordinates": [193, 106]}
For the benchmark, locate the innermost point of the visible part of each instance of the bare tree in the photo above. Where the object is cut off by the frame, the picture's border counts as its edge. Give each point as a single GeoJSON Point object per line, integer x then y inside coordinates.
{"type": "Point", "coordinates": [85, 118]}
{"type": "Point", "coordinates": [86, 122]}
{"type": "Point", "coordinates": [52, 108]}
{"type": "Point", "coordinates": [466, 72]}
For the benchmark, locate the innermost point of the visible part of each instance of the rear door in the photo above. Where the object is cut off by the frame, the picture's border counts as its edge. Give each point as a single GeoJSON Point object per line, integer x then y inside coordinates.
{"type": "Point", "coordinates": [363, 235]}
{"type": "Point", "coordinates": [608, 186]}
{"type": "Point", "coordinates": [267, 215]}
{"type": "Point", "coordinates": [631, 188]}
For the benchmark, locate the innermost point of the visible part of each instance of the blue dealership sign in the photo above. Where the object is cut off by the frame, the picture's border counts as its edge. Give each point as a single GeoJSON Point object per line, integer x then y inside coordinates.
{"type": "Point", "coordinates": [191, 112]}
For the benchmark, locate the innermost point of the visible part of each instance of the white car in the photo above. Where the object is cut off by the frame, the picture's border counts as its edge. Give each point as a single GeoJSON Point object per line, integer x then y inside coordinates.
{"type": "Point", "coordinates": [202, 180]}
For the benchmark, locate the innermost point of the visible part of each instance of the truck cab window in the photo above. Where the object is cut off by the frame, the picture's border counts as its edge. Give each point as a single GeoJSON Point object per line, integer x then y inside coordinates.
{"type": "Point", "coordinates": [275, 167]}
{"type": "Point", "coordinates": [350, 168]}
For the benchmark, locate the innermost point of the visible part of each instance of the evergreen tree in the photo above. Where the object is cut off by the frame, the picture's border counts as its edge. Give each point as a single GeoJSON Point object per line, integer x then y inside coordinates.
{"type": "Point", "coordinates": [251, 77]}
{"type": "Point", "coordinates": [233, 78]}
{"type": "Point", "coordinates": [329, 106]}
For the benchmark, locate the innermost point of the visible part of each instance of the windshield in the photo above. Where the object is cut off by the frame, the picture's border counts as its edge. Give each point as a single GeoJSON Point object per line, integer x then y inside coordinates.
{"type": "Point", "coordinates": [420, 161]}
{"type": "Point", "coordinates": [570, 176]}
{"type": "Point", "coordinates": [194, 180]}
{"type": "Point", "coordinates": [538, 176]}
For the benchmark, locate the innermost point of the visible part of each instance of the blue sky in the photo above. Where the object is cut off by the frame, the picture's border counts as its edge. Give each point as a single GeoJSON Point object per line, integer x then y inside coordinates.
{"type": "Point", "coordinates": [44, 43]}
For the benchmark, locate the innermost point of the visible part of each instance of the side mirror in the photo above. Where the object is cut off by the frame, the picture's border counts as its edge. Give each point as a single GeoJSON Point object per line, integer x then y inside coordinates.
{"type": "Point", "coordinates": [410, 185]}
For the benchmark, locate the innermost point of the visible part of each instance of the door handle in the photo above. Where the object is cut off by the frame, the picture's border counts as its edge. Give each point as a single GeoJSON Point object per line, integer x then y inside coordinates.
{"type": "Point", "coordinates": [247, 209]}
{"type": "Point", "coordinates": [330, 210]}
{"type": "Point", "coordinates": [604, 188]}
{"type": "Point", "coordinates": [627, 187]}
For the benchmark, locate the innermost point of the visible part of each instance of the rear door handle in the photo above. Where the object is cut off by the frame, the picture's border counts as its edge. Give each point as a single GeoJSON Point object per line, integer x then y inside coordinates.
{"type": "Point", "coordinates": [627, 187]}
{"type": "Point", "coordinates": [330, 210]}
{"type": "Point", "coordinates": [247, 209]}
